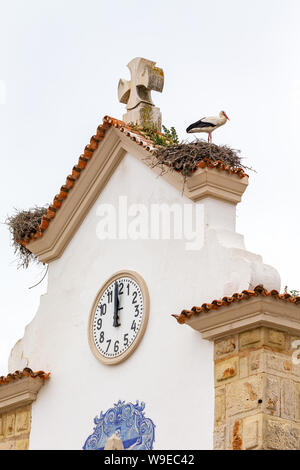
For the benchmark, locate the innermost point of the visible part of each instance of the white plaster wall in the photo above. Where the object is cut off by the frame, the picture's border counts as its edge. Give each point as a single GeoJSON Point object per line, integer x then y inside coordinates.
{"type": "Point", "coordinates": [172, 369]}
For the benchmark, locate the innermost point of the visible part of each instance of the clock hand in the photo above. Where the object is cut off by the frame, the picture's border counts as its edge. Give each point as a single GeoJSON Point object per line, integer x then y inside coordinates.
{"type": "Point", "coordinates": [116, 306]}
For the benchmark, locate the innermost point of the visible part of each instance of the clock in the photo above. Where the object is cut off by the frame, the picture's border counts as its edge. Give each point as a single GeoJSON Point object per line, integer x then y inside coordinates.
{"type": "Point", "coordinates": [119, 317]}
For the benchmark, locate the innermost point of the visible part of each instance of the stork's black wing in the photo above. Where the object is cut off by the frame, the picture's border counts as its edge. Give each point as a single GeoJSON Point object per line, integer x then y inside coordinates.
{"type": "Point", "coordinates": [200, 125]}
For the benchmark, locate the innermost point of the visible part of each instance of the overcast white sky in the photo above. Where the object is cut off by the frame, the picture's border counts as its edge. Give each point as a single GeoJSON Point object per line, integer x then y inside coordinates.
{"type": "Point", "coordinates": [60, 62]}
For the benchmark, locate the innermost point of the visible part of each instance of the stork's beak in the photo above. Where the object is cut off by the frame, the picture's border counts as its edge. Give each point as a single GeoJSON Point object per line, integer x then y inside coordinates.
{"type": "Point", "coordinates": [227, 117]}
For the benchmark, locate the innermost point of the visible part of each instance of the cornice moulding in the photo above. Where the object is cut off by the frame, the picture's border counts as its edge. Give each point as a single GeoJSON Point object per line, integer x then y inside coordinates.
{"type": "Point", "coordinates": [217, 184]}
{"type": "Point", "coordinates": [245, 316]}
{"type": "Point", "coordinates": [20, 392]}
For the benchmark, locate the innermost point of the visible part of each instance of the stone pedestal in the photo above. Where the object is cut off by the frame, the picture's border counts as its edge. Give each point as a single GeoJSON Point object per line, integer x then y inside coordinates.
{"type": "Point", "coordinates": [144, 115]}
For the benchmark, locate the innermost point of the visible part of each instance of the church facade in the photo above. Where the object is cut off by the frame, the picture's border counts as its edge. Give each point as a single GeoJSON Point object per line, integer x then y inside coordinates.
{"type": "Point", "coordinates": [116, 351]}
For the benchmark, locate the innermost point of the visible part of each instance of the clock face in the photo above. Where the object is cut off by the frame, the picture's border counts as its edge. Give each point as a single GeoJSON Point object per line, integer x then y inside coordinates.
{"type": "Point", "coordinates": [119, 317]}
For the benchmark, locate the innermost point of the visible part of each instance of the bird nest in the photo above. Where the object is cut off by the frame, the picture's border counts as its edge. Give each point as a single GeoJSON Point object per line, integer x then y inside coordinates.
{"type": "Point", "coordinates": [185, 157]}
{"type": "Point", "coordinates": [22, 224]}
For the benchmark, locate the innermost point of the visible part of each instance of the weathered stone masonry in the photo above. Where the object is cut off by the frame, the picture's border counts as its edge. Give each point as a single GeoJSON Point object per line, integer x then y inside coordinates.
{"type": "Point", "coordinates": [15, 429]}
{"type": "Point", "coordinates": [257, 391]}
{"type": "Point", "coordinates": [257, 371]}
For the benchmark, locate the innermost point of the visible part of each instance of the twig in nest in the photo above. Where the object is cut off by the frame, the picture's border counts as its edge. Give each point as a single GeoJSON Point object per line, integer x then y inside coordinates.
{"type": "Point", "coordinates": [185, 157]}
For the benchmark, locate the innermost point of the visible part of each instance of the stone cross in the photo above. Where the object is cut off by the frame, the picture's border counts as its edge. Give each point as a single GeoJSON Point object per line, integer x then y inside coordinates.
{"type": "Point", "coordinates": [136, 93]}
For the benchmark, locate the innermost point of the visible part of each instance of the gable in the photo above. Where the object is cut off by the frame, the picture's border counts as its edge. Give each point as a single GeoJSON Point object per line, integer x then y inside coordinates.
{"type": "Point", "coordinates": [95, 167]}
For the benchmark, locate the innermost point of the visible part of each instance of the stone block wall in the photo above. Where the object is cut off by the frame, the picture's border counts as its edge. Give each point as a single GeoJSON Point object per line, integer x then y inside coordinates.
{"type": "Point", "coordinates": [257, 391]}
{"type": "Point", "coordinates": [15, 429]}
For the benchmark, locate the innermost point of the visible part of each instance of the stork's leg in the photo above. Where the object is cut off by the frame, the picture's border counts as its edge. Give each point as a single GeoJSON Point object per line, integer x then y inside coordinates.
{"type": "Point", "coordinates": [209, 137]}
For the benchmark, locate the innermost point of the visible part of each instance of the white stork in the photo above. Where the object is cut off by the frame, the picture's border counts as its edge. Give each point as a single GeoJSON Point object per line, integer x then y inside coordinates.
{"type": "Point", "coordinates": [208, 124]}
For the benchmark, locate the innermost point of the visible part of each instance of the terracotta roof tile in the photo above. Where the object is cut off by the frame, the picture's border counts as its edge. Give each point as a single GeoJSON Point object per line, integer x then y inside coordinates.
{"type": "Point", "coordinates": [20, 374]}
{"type": "Point", "coordinates": [83, 160]}
{"type": "Point", "coordinates": [237, 297]}
{"type": "Point", "coordinates": [219, 165]}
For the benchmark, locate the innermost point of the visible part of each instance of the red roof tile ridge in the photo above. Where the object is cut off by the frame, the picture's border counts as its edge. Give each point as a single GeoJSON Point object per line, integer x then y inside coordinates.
{"type": "Point", "coordinates": [20, 374]}
{"type": "Point", "coordinates": [132, 133]}
{"type": "Point", "coordinates": [236, 297]}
